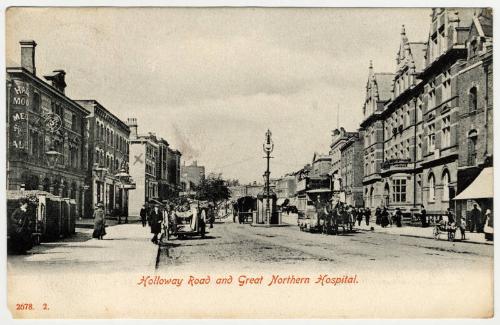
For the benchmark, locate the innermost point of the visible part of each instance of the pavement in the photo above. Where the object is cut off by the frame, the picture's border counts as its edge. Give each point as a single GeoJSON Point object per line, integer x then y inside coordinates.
{"type": "Point", "coordinates": [408, 231]}
{"type": "Point", "coordinates": [126, 247]}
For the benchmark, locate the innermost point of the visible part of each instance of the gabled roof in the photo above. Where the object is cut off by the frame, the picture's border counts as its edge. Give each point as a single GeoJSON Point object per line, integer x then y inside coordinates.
{"type": "Point", "coordinates": [418, 53]}
{"type": "Point", "coordinates": [411, 53]}
{"type": "Point", "coordinates": [483, 22]}
{"type": "Point", "coordinates": [383, 81]}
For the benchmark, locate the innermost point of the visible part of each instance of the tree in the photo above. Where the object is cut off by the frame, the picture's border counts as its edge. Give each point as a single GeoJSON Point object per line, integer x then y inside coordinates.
{"type": "Point", "coordinates": [212, 189]}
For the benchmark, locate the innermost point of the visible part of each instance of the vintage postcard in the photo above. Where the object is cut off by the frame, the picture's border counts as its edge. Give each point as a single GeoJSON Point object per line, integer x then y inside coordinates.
{"type": "Point", "coordinates": [249, 162]}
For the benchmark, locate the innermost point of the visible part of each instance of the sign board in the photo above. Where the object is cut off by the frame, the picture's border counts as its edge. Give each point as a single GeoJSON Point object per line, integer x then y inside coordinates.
{"type": "Point", "coordinates": [20, 100]}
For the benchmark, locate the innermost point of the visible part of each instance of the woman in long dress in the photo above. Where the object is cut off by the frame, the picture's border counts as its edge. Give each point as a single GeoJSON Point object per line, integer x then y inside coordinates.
{"type": "Point", "coordinates": [488, 227]}
{"type": "Point", "coordinates": [99, 222]}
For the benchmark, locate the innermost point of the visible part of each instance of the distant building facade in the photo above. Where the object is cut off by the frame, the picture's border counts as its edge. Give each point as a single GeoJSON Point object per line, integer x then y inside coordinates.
{"type": "Point", "coordinates": [351, 170]}
{"type": "Point", "coordinates": [142, 167]}
{"type": "Point", "coordinates": [286, 186]}
{"type": "Point", "coordinates": [339, 138]}
{"type": "Point", "coordinates": [191, 176]}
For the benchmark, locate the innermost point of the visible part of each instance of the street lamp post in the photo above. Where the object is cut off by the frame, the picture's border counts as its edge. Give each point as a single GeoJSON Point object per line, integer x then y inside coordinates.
{"type": "Point", "coordinates": [122, 176]}
{"type": "Point", "coordinates": [268, 147]}
{"type": "Point", "coordinates": [100, 173]}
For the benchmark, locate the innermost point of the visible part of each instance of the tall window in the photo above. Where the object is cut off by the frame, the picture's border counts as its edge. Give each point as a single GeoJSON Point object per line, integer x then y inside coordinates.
{"type": "Point", "coordinates": [419, 147]}
{"type": "Point", "coordinates": [399, 190]}
{"type": "Point", "coordinates": [432, 188]}
{"type": "Point", "coordinates": [473, 99]}
{"type": "Point", "coordinates": [431, 138]}
{"type": "Point", "coordinates": [446, 85]}
{"type": "Point", "coordinates": [36, 102]}
{"type": "Point", "coordinates": [432, 96]}
{"type": "Point", "coordinates": [419, 113]}
{"type": "Point", "coordinates": [446, 184]}
{"type": "Point", "coordinates": [471, 148]}
{"type": "Point", "coordinates": [446, 137]}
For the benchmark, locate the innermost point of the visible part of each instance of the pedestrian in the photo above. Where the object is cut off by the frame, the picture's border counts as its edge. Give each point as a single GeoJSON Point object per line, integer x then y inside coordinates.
{"type": "Point", "coordinates": [329, 216]}
{"type": "Point", "coordinates": [99, 222]}
{"type": "Point", "coordinates": [211, 215]}
{"type": "Point", "coordinates": [462, 227]}
{"type": "Point", "coordinates": [384, 221]}
{"type": "Point", "coordinates": [368, 214]}
{"type": "Point", "coordinates": [378, 216]}
{"type": "Point", "coordinates": [155, 219]}
{"type": "Point", "coordinates": [488, 226]}
{"type": "Point", "coordinates": [19, 227]}
{"type": "Point", "coordinates": [117, 215]}
{"type": "Point", "coordinates": [359, 216]}
{"type": "Point", "coordinates": [398, 216]}
{"type": "Point", "coordinates": [143, 213]}
{"type": "Point", "coordinates": [475, 215]}
{"type": "Point", "coordinates": [451, 216]}
{"type": "Point", "coordinates": [423, 217]}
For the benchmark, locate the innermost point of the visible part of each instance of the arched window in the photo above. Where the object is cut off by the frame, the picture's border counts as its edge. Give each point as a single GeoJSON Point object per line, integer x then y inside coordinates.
{"type": "Point", "coordinates": [471, 148]}
{"type": "Point", "coordinates": [432, 188]}
{"type": "Point", "coordinates": [473, 99]}
{"type": "Point", "coordinates": [446, 186]}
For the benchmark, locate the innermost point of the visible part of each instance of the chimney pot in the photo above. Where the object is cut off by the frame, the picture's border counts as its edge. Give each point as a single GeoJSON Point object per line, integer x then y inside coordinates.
{"type": "Point", "coordinates": [132, 124]}
{"type": "Point", "coordinates": [28, 55]}
{"type": "Point", "coordinates": [57, 79]}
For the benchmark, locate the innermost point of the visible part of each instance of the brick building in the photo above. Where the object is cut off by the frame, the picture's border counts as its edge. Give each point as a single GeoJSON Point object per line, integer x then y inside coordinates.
{"type": "Point", "coordinates": [403, 128]}
{"type": "Point", "coordinates": [445, 48]}
{"type": "Point", "coordinates": [41, 119]}
{"type": "Point", "coordinates": [378, 93]}
{"type": "Point", "coordinates": [351, 169]}
{"type": "Point", "coordinates": [411, 126]}
{"type": "Point", "coordinates": [108, 151]}
{"type": "Point", "coordinates": [339, 138]}
{"type": "Point", "coordinates": [475, 82]}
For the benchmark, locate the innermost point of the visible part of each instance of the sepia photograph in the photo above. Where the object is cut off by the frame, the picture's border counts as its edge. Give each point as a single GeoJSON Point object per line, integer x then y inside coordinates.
{"type": "Point", "coordinates": [249, 162]}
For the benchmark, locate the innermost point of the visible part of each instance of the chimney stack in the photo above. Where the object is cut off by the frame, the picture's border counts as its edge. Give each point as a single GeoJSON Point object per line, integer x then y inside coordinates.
{"type": "Point", "coordinates": [28, 55]}
{"type": "Point", "coordinates": [132, 124]}
{"type": "Point", "coordinates": [57, 79]}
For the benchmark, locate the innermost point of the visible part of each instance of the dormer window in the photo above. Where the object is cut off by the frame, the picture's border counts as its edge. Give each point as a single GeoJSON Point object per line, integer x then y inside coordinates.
{"type": "Point", "coordinates": [473, 48]}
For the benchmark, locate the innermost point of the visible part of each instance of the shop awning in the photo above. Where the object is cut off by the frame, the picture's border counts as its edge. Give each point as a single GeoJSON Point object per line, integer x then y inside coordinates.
{"type": "Point", "coordinates": [480, 188]}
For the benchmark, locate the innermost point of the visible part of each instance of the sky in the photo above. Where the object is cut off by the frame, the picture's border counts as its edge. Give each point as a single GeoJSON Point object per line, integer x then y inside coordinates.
{"type": "Point", "coordinates": [211, 81]}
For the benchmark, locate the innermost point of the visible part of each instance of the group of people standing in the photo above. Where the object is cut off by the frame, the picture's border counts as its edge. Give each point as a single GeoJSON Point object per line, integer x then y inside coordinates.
{"type": "Point", "coordinates": [158, 216]}
{"type": "Point", "coordinates": [333, 215]}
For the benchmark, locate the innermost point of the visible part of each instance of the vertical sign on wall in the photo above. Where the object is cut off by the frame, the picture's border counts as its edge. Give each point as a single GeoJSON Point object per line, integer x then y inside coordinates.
{"type": "Point", "coordinates": [21, 96]}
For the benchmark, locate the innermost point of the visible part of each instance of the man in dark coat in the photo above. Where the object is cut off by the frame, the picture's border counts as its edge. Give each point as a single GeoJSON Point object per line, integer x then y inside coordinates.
{"type": "Point", "coordinates": [19, 229]}
{"type": "Point", "coordinates": [398, 217]}
{"type": "Point", "coordinates": [475, 216]}
{"type": "Point", "coordinates": [143, 215]}
{"type": "Point", "coordinates": [378, 216]}
{"type": "Point", "coordinates": [384, 222]}
{"type": "Point", "coordinates": [368, 214]}
{"type": "Point", "coordinates": [423, 217]}
{"type": "Point", "coordinates": [155, 219]}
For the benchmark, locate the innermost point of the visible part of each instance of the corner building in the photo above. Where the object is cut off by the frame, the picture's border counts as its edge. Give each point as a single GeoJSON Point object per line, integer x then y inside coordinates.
{"type": "Point", "coordinates": [411, 141]}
